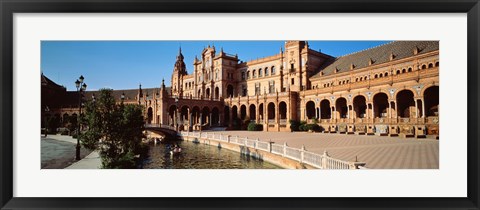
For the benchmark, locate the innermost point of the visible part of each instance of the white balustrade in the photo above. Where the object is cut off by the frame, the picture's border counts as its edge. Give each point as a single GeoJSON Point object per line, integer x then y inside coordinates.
{"type": "Point", "coordinates": [317, 160]}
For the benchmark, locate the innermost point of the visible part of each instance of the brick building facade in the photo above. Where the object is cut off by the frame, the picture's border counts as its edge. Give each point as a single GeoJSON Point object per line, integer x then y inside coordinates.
{"type": "Point", "coordinates": [392, 89]}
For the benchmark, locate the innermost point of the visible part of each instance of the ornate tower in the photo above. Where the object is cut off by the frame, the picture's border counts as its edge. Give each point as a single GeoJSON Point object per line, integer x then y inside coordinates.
{"type": "Point", "coordinates": [294, 64]}
{"type": "Point", "coordinates": [179, 70]}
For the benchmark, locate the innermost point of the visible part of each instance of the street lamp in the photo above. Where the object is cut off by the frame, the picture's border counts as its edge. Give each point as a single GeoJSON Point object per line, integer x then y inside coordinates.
{"type": "Point", "coordinates": [80, 87]}
{"type": "Point", "coordinates": [46, 120]}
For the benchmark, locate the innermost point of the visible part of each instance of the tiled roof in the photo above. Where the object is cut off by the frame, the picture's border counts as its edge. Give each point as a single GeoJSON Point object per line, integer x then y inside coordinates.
{"type": "Point", "coordinates": [48, 82]}
{"type": "Point", "coordinates": [380, 54]}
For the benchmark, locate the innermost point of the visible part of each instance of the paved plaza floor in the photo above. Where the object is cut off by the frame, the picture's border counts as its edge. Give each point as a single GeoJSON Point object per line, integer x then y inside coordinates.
{"type": "Point", "coordinates": [376, 151]}
{"type": "Point", "coordinates": [58, 152]}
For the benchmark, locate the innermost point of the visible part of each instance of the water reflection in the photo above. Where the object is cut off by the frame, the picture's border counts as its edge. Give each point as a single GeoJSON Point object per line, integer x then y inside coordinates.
{"type": "Point", "coordinates": [201, 156]}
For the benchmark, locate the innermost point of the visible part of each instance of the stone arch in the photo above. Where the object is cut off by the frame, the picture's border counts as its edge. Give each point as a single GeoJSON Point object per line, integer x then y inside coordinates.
{"type": "Point", "coordinates": [171, 115]}
{"type": "Point", "coordinates": [215, 116]}
{"type": "Point", "coordinates": [380, 104]}
{"type": "Point", "coordinates": [217, 93]}
{"type": "Point", "coordinates": [271, 111]}
{"type": "Point", "coordinates": [405, 104]}
{"type": "Point", "coordinates": [234, 112]}
{"type": "Point", "coordinates": [431, 100]}
{"type": "Point", "coordinates": [415, 95]}
{"type": "Point", "coordinates": [325, 110]}
{"type": "Point", "coordinates": [243, 112]}
{"type": "Point", "coordinates": [184, 113]}
{"type": "Point", "coordinates": [310, 109]}
{"type": "Point", "coordinates": [341, 107]}
{"type": "Point", "coordinates": [205, 115]}
{"type": "Point", "coordinates": [282, 110]}
{"type": "Point", "coordinates": [360, 106]}
{"type": "Point", "coordinates": [226, 115]}
{"type": "Point", "coordinates": [252, 112]}
{"type": "Point", "coordinates": [207, 93]}
{"type": "Point", "coordinates": [196, 115]}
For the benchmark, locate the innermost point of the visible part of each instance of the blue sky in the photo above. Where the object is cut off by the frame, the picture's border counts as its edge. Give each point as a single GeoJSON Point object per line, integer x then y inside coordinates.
{"type": "Point", "coordinates": [126, 64]}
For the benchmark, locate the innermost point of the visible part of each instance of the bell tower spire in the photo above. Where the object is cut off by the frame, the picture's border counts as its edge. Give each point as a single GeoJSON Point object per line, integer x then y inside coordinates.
{"type": "Point", "coordinates": [179, 70]}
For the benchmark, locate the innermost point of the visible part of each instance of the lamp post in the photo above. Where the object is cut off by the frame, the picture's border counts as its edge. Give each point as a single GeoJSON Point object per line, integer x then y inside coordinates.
{"type": "Point", "coordinates": [46, 120]}
{"type": "Point", "coordinates": [81, 86]}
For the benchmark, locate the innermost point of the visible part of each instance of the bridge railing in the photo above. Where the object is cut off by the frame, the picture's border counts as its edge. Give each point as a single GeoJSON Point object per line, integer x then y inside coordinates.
{"type": "Point", "coordinates": [322, 161]}
{"type": "Point", "coordinates": [159, 126]}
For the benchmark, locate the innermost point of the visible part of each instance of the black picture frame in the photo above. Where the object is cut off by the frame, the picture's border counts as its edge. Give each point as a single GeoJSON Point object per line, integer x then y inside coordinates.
{"type": "Point", "coordinates": [10, 7]}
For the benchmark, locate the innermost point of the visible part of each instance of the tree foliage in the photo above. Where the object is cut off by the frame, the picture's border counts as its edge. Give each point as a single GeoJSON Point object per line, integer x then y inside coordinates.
{"type": "Point", "coordinates": [116, 130]}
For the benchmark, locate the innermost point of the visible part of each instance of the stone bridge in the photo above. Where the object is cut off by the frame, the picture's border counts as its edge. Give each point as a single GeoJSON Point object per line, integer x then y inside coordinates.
{"type": "Point", "coordinates": [168, 131]}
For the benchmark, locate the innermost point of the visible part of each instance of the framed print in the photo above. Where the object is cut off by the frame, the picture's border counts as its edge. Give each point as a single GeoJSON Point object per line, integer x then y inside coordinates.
{"type": "Point", "coordinates": [239, 105]}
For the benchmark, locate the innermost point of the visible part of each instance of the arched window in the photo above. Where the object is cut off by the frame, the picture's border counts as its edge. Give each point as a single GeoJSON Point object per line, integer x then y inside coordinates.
{"type": "Point", "coordinates": [386, 74]}
{"type": "Point", "coordinates": [248, 74]}
{"type": "Point", "coordinates": [424, 66]}
{"type": "Point", "coordinates": [361, 78]}
{"type": "Point", "coordinates": [403, 70]}
{"type": "Point", "coordinates": [254, 74]}
{"type": "Point", "coordinates": [376, 76]}
{"type": "Point", "coordinates": [273, 70]}
{"type": "Point", "coordinates": [410, 69]}
{"type": "Point", "coordinates": [356, 79]}
{"type": "Point", "coordinates": [380, 75]}
{"type": "Point", "coordinates": [365, 78]}
{"type": "Point", "coordinates": [266, 71]}
{"type": "Point", "coordinates": [430, 65]}
{"type": "Point", "coordinates": [436, 64]}
{"type": "Point", "coordinates": [260, 72]}
{"type": "Point", "coordinates": [398, 71]}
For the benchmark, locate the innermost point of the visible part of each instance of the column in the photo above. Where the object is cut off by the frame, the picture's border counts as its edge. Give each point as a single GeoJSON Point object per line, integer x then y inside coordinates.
{"type": "Point", "coordinates": [389, 109]}
{"type": "Point", "coordinates": [210, 119]}
{"type": "Point", "coordinates": [257, 113]}
{"type": "Point", "coordinates": [348, 112]}
{"type": "Point", "coordinates": [277, 111]}
{"type": "Point", "coordinates": [416, 108]}
{"type": "Point", "coordinates": [316, 112]}
{"type": "Point", "coordinates": [423, 108]}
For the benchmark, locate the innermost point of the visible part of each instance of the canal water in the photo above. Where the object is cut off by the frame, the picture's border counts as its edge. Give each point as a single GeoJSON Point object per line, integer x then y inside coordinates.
{"type": "Point", "coordinates": [201, 156]}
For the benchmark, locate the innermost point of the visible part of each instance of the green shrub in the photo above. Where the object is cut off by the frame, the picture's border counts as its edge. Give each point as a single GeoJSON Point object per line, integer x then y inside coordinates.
{"type": "Point", "coordinates": [294, 125]}
{"type": "Point", "coordinates": [302, 126]}
{"type": "Point", "coordinates": [252, 126]}
{"type": "Point", "coordinates": [313, 127]}
{"type": "Point", "coordinates": [314, 120]}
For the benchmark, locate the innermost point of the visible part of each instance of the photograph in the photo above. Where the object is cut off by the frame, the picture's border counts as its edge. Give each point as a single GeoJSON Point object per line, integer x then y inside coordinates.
{"type": "Point", "coordinates": [240, 104]}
